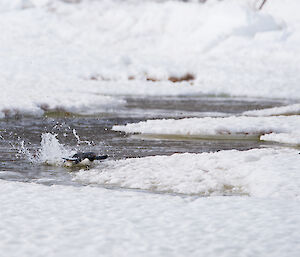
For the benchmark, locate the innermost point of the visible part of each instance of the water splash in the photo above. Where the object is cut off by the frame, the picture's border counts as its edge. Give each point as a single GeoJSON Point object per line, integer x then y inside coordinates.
{"type": "Point", "coordinates": [79, 141]}
{"type": "Point", "coordinates": [25, 151]}
{"type": "Point", "coordinates": [20, 147]}
{"type": "Point", "coordinates": [51, 151]}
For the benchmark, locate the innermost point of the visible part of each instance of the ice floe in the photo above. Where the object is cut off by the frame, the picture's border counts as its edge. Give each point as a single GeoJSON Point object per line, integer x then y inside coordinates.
{"type": "Point", "coordinates": [222, 128]}
{"type": "Point", "coordinates": [286, 138]}
{"type": "Point", "coordinates": [271, 173]}
{"type": "Point", "coordinates": [293, 109]}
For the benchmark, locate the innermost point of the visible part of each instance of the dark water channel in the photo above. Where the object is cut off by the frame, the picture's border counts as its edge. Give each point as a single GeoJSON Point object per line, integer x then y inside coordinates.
{"type": "Point", "coordinates": [96, 129]}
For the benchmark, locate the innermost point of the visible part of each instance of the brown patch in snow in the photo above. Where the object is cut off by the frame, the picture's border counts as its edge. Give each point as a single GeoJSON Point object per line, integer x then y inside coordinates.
{"type": "Point", "coordinates": [152, 79]}
{"type": "Point", "coordinates": [186, 77]}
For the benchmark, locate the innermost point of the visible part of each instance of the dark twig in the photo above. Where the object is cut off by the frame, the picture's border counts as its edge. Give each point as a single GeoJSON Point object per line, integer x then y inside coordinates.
{"type": "Point", "coordinates": [262, 4]}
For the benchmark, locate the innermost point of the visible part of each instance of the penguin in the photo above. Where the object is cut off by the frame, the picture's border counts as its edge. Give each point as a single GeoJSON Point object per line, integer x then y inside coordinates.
{"type": "Point", "coordinates": [83, 159]}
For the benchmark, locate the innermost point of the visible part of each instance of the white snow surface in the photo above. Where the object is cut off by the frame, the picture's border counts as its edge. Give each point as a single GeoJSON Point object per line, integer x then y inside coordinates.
{"type": "Point", "coordinates": [266, 173]}
{"type": "Point", "coordinates": [286, 138]}
{"type": "Point", "coordinates": [66, 221]}
{"type": "Point", "coordinates": [83, 56]}
{"type": "Point", "coordinates": [208, 127]}
{"type": "Point", "coordinates": [293, 109]}
{"type": "Point", "coordinates": [50, 50]}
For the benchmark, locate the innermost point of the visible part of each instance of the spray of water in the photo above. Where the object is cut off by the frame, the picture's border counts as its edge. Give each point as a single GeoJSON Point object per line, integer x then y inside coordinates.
{"type": "Point", "coordinates": [25, 151]}
{"type": "Point", "coordinates": [78, 139]}
{"type": "Point", "coordinates": [51, 151]}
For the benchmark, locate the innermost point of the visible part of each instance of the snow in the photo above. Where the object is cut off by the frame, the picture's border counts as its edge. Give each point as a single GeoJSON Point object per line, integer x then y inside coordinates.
{"type": "Point", "coordinates": [293, 109]}
{"type": "Point", "coordinates": [51, 50]}
{"type": "Point", "coordinates": [208, 127]}
{"type": "Point", "coordinates": [7, 5]}
{"type": "Point", "coordinates": [266, 173]}
{"type": "Point", "coordinates": [40, 99]}
{"type": "Point", "coordinates": [67, 221]}
{"type": "Point", "coordinates": [84, 57]}
{"type": "Point", "coordinates": [286, 138]}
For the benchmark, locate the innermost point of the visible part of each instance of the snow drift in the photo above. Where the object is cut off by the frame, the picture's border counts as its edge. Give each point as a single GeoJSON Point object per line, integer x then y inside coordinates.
{"type": "Point", "coordinates": [53, 52]}
{"type": "Point", "coordinates": [270, 173]}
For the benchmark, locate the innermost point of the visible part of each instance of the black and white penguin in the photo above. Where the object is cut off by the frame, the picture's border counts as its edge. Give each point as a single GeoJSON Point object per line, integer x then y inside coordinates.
{"type": "Point", "coordinates": [83, 159]}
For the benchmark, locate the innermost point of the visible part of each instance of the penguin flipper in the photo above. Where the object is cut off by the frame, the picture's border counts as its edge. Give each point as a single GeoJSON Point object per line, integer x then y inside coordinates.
{"type": "Point", "coordinates": [70, 159]}
{"type": "Point", "coordinates": [101, 157]}
{"type": "Point", "coordinates": [75, 160]}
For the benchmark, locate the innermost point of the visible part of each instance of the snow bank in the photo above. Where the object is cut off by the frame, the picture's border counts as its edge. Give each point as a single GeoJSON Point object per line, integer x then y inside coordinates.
{"type": "Point", "coordinates": [286, 138]}
{"type": "Point", "coordinates": [8, 5]}
{"type": "Point", "coordinates": [85, 221]}
{"type": "Point", "coordinates": [19, 5]}
{"type": "Point", "coordinates": [38, 99]}
{"type": "Point", "coordinates": [293, 109]}
{"type": "Point", "coordinates": [224, 128]}
{"type": "Point", "coordinates": [56, 52]}
{"type": "Point", "coordinates": [271, 173]}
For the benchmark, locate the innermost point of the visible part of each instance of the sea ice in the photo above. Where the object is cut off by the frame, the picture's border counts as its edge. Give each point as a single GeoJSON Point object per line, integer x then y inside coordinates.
{"type": "Point", "coordinates": [228, 127]}
{"type": "Point", "coordinates": [293, 109]}
{"type": "Point", "coordinates": [286, 138]}
{"type": "Point", "coordinates": [266, 173]}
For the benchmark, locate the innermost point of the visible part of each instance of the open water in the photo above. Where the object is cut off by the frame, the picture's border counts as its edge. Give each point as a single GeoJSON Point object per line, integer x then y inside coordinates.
{"type": "Point", "coordinates": [21, 136]}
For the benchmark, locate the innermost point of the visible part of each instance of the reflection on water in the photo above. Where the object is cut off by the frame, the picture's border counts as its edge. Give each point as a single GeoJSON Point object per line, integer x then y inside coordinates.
{"type": "Point", "coordinates": [93, 133]}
